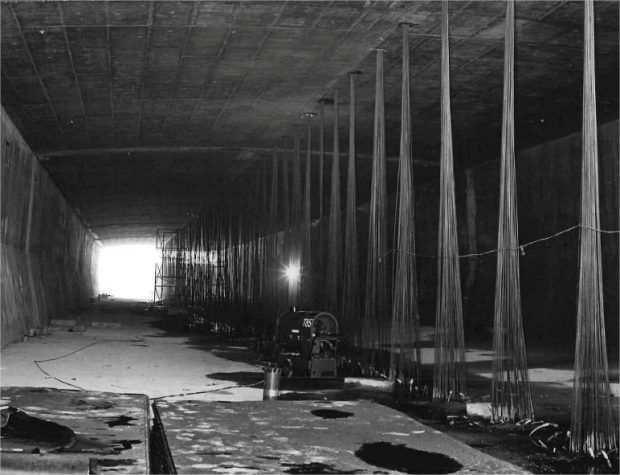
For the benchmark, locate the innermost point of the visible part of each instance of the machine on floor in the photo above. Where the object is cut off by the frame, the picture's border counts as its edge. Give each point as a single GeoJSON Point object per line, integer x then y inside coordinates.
{"type": "Point", "coordinates": [308, 344]}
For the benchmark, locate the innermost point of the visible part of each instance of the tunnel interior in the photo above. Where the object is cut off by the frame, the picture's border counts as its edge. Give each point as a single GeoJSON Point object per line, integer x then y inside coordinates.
{"type": "Point", "coordinates": [125, 119]}
{"type": "Point", "coordinates": [194, 157]}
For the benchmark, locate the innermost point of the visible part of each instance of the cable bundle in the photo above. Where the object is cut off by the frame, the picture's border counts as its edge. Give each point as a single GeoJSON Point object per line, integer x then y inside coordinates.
{"type": "Point", "coordinates": [319, 284]}
{"type": "Point", "coordinates": [296, 200]}
{"type": "Point", "coordinates": [294, 234]}
{"type": "Point", "coordinates": [272, 240]}
{"type": "Point", "coordinates": [306, 286]}
{"type": "Point", "coordinates": [592, 427]}
{"type": "Point", "coordinates": [510, 391]}
{"type": "Point", "coordinates": [449, 371]}
{"type": "Point", "coordinates": [404, 361]}
{"type": "Point", "coordinates": [334, 240]}
{"type": "Point", "coordinates": [350, 293]}
{"type": "Point", "coordinates": [375, 331]}
{"type": "Point", "coordinates": [286, 197]}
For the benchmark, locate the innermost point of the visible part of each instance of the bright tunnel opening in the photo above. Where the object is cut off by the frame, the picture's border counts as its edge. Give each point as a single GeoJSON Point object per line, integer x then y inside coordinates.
{"type": "Point", "coordinates": [127, 270]}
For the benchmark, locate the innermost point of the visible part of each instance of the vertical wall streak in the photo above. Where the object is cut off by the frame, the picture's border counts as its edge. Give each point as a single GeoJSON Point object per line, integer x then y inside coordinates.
{"type": "Point", "coordinates": [47, 254]}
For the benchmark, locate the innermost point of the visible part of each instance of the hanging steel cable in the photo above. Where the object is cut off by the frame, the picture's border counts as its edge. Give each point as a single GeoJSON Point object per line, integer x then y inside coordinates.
{"type": "Point", "coordinates": [295, 235]}
{"type": "Point", "coordinates": [271, 257]}
{"type": "Point", "coordinates": [375, 330]}
{"type": "Point", "coordinates": [510, 390]}
{"type": "Point", "coordinates": [334, 241]}
{"type": "Point", "coordinates": [296, 199]}
{"type": "Point", "coordinates": [273, 199]}
{"type": "Point", "coordinates": [404, 345]}
{"type": "Point", "coordinates": [350, 294]}
{"type": "Point", "coordinates": [322, 230]}
{"type": "Point", "coordinates": [592, 427]}
{"type": "Point", "coordinates": [286, 197]}
{"type": "Point", "coordinates": [307, 274]}
{"type": "Point", "coordinates": [449, 372]}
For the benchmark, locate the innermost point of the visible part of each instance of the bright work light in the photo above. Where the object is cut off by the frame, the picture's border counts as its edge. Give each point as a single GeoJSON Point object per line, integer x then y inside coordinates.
{"type": "Point", "coordinates": [292, 273]}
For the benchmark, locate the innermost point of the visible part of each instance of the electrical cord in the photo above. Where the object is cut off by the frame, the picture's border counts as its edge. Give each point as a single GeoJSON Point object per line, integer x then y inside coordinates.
{"type": "Point", "coordinates": [208, 390]}
{"type": "Point", "coordinates": [521, 247]}
{"type": "Point", "coordinates": [36, 362]}
{"type": "Point", "coordinates": [58, 379]}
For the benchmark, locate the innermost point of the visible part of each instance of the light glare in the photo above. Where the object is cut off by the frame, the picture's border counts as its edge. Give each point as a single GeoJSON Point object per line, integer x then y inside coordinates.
{"type": "Point", "coordinates": [292, 272]}
{"type": "Point", "coordinates": [127, 270]}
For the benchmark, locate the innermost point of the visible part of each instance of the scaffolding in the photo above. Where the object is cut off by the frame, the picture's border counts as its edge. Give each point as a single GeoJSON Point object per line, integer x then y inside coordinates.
{"type": "Point", "coordinates": [169, 270]}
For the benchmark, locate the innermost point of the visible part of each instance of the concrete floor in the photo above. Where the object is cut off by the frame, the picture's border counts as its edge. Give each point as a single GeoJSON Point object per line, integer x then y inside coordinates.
{"type": "Point", "coordinates": [134, 351]}
{"type": "Point", "coordinates": [313, 437]}
{"type": "Point", "coordinates": [124, 348]}
{"type": "Point", "coordinates": [135, 357]}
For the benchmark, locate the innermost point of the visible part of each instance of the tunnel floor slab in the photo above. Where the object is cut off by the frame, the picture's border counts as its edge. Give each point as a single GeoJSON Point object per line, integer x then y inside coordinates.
{"type": "Point", "coordinates": [311, 437]}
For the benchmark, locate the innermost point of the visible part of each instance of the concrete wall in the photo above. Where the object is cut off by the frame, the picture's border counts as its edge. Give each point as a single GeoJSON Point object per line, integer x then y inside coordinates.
{"type": "Point", "coordinates": [548, 188]}
{"type": "Point", "coordinates": [48, 256]}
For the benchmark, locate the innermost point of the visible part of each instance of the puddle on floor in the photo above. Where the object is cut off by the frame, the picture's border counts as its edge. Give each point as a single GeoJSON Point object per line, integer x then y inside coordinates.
{"type": "Point", "coordinates": [122, 420]}
{"type": "Point", "coordinates": [97, 404]}
{"type": "Point", "coordinates": [331, 413]}
{"type": "Point", "coordinates": [404, 459]}
{"type": "Point", "coordinates": [314, 467]}
{"type": "Point", "coordinates": [124, 444]}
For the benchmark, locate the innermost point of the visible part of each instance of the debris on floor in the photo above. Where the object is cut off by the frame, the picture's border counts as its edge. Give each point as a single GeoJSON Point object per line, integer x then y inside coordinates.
{"type": "Point", "coordinates": [64, 431]}
{"type": "Point", "coordinates": [298, 436]}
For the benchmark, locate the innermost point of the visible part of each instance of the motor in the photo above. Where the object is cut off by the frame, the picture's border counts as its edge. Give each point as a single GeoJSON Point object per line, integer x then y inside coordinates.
{"type": "Point", "coordinates": [307, 344]}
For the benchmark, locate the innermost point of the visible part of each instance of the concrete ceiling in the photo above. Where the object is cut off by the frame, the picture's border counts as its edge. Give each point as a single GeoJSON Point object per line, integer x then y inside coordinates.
{"type": "Point", "coordinates": [143, 111]}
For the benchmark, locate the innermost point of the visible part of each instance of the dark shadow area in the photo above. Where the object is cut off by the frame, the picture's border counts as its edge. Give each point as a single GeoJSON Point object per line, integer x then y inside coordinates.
{"type": "Point", "coordinates": [237, 354]}
{"type": "Point", "coordinates": [322, 395]}
{"type": "Point", "coordinates": [239, 377]}
{"type": "Point", "coordinates": [403, 459]}
{"type": "Point", "coordinates": [509, 441]}
{"type": "Point", "coordinates": [34, 434]}
{"type": "Point", "coordinates": [27, 434]}
{"type": "Point", "coordinates": [175, 326]}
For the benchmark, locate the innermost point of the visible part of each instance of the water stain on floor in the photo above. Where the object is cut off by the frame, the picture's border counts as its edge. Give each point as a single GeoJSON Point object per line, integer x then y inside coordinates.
{"type": "Point", "coordinates": [121, 420]}
{"type": "Point", "coordinates": [404, 459]}
{"type": "Point", "coordinates": [314, 467]}
{"type": "Point", "coordinates": [92, 404]}
{"type": "Point", "coordinates": [268, 457]}
{"type": "Point", "coordinates": [331, 413]}
{"type": "Point", "coordinates": [124, 444]}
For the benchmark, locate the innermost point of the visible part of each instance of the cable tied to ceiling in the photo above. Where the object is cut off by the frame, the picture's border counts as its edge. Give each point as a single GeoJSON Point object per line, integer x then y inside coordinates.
{"type": "Point", "coordinates": [404, 345]}
{"type": "Point", "coordinates": [319, 288]}
{"type": "Point", "coordinates": [449, 371]}
{"type": "Point", "coordinates": [510, 391]}
{"type": "Point", "coordinates": [272, 239]}
{"type": "Point", "coordinates": [375, 331]}
{"type": "Point", "coordinates": [350, 294]}
{"type": "Point", "coordinates": [334, 241]}
{"type": "Point", "coordinates": [286, 198]}
{"type": "Point", "coordinates": [592, 427]}
{"type": "Point", "coordinates": [295, 233]}
{"type": "Point", "coordinates": [307, 287]}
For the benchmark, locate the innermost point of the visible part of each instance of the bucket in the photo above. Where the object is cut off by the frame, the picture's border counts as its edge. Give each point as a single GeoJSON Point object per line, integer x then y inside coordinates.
{"type": "Point", "coordinates": [271, 390]}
